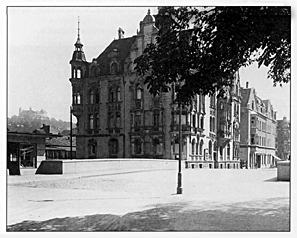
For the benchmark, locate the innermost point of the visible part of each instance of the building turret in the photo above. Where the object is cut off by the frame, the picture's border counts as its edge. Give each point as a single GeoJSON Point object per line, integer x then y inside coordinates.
{"type": "Point", "coordinates": [78, 61]}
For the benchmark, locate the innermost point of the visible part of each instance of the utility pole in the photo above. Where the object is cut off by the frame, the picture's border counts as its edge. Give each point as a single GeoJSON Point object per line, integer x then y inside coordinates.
{"type": "Point", "coordinates": [179, 175]}
{"type": "Point", "coordinates": [70, 132]}
{"type": "Point", "coordinates": [124, 119]}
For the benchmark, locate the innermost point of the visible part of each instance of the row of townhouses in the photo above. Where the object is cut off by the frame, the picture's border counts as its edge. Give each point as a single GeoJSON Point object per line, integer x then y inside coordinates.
{"type": "Point", "coordinates": [118, 118]}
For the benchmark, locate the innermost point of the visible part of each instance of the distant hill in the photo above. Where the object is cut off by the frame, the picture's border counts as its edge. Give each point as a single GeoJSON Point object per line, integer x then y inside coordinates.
{"type": "Point", "coordinates": [29, 120]}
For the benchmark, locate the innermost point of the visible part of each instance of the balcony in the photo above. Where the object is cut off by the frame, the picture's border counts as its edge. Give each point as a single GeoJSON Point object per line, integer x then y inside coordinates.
{"type": "Point", "coordinates": [77, 110]}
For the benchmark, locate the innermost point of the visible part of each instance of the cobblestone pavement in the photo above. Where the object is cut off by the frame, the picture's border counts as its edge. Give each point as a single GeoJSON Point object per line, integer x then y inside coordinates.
{"type": "Point", "coordinates": [212, 200]}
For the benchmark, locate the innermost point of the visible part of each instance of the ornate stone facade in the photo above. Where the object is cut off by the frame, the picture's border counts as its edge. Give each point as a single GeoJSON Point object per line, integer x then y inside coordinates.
{"type": "Point", "coordinates": [118, 118]}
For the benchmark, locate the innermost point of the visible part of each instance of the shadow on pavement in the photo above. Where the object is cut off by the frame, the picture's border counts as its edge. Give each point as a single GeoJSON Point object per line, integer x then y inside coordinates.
{"type": "Point", "coordinates": [260, 215]}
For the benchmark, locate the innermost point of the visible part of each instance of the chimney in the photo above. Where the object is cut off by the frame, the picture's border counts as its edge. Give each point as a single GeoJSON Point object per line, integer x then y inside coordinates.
{"type": "Point", "coordinates": [247, 85]}
{"type": "Point", "coordinates": [46, 128]}
{"type": "Point", "coordinates": [121, 33]}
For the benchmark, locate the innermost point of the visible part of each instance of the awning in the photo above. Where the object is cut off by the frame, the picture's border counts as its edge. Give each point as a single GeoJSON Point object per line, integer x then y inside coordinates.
{"type": "Point", "coordinates": [60, 148]}
{"type": "Point", "coordinates": [223, 142]}
{"type": "Point", "coordinates": [277, 158]}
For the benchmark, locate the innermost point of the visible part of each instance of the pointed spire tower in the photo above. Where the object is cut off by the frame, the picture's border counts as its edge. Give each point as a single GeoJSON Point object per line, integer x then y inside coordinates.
{"type": "Point", "coordinates": [78, 61]}
{"type": "Point", "coordinates": [78, 45]}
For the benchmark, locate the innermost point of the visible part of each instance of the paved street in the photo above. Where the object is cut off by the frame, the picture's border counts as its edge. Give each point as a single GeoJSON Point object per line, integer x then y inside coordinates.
{"type": "Point", "coordinates": [212, 200]}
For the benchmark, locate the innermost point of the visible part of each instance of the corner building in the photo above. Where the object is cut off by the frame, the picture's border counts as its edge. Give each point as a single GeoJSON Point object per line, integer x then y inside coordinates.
{"type": "Point", "coordinates": [117, 117]}
{"type": "Point", "coordinates": [258, 131]}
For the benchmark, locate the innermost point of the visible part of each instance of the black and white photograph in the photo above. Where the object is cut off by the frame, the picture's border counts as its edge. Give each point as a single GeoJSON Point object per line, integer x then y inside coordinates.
{"type": "Point", "coordinates": [148, 119]}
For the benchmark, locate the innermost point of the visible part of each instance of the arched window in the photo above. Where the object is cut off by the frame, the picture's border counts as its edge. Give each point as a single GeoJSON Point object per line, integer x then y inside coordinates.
{"type": "Point", "coordinates": [253, 106]}
{"type": "Point", "coordinates": [91, 96]}
{"type": "Point", "coordinates": [138, 92]}
{"type": "Point", "coordinates": [156, 145]}
{"type": "Point", "coordinates": [215, 150]}
{"type": "Point", "coordinates": [197, 146]}
{"type": "Point", "coordinates": [228, 149]}
{"type": "Point", "coordinates": [97, 121]}
{"type": "Point", "coordinates": [193, 146]}
{"type": "Point", "coordinates": [111, 119]}
{"type": "Point", "coordinates": [210, 149]}
{"type": "Point", "coordinates": [221, 151]}
{"type": "Point", "coordinates": [118, 119]}
{"type": "Point", "coordinates": [138, 148]}
{"type": "Point", "coordinates": [113, 68]}
{"type": "Point", "coordinates": [201, 147]}
{"type": "Point", "coordinates": [78, 73]}
{"type": "Point", "coordinates": [92, 148]}
{"type": "Point", "coordinates": [91, 121]}
{"type": "Point", "coordinates": [222, 106]}
{"type": "Point", "coordinates": [119, 93]}
{"type": "Point", "coordinates": [213, 124]}
{"type": "Point", "coordinates": [202, 122]}
{"type": "Point", "coordinates": [74, 95]}
{"type": "Point", "coordinates": [210, 124]}
{"type": "Point", "coordinates": [111, 95]}
{"type": "Point", "coordinates": [97, 95]}
{"type": "Point", "coordinates": [156, 118]}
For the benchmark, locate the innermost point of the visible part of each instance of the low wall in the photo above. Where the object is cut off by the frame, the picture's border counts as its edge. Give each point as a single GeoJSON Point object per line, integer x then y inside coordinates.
{"type": "Point", "coordinates": [96, 165]}
{"type": "Point", "coordinates": [283, 170]}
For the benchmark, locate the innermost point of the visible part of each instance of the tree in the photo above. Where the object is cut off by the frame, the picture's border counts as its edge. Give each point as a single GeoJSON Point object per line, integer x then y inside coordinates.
{"type": "Point", "coordinates": [202, 48]}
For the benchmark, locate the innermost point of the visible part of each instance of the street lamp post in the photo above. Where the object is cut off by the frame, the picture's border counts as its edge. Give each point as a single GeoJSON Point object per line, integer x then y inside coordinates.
{"type": "Point", "coordinates": [179, 175]}
{"type": "Point", "coordinates": [70, 132]}
{"type": "Point", "coordinates": [124, 121]}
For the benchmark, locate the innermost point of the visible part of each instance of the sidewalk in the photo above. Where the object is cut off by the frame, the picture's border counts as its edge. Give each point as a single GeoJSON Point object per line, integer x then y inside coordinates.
{"type": "Point", "coordinates": [212, 200]}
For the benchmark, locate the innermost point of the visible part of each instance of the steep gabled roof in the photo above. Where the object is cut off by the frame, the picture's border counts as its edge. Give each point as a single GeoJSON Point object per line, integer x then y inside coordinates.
{"type": "Point", "coordinates": [118, 50]}
{"type": "Point", "coordinates": [245, 93]}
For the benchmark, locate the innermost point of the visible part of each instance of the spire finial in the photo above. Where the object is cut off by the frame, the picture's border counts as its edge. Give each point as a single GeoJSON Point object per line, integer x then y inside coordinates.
{"type": "Point", "coordinates": [149, 12]}
{"type": "Point", "coordinates": [78, 28]}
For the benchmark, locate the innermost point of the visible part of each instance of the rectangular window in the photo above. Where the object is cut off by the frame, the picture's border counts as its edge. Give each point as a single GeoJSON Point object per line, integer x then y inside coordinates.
{"type": "Point", "coordinates": [252, 139]}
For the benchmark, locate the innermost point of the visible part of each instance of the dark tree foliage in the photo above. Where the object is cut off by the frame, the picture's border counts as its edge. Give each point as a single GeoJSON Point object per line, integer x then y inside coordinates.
{"type": "Point", "coordinates": [200, 49]}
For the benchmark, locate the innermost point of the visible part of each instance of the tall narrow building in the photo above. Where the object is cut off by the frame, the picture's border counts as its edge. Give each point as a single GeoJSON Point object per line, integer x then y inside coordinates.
{"type": "Point", "coordinates": [228, 127]}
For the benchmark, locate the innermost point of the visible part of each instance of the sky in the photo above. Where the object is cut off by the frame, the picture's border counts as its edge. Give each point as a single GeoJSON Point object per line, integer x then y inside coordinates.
{"type": "Point", "coordinates": [41, 41]}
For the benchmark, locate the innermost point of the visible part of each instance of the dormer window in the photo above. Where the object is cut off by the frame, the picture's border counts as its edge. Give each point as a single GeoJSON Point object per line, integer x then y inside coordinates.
{"type": "Point", "coordinates": [114, 68]}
